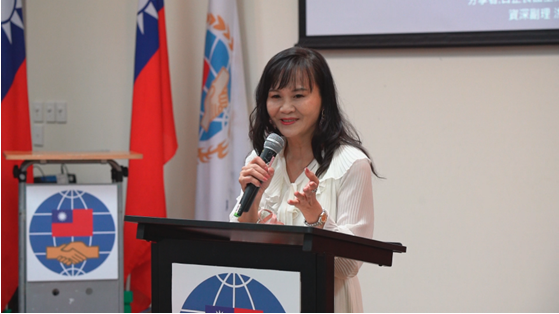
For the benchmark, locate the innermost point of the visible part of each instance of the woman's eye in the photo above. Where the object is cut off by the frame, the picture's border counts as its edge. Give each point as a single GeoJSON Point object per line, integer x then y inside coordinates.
{"type": "Point", "coordinates": [274, 96]}
{"type": "Point", "coordinates": [299, 96]}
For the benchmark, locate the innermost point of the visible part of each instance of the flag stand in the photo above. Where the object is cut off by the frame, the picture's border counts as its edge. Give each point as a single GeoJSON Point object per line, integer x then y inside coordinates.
{"type": "Point", "coordinates": [91, 279]}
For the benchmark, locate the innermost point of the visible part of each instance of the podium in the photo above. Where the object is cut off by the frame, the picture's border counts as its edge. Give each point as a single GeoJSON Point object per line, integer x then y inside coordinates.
{"type": "Point", "coordinates": [306, 250]}
{"type": "Point", "coordinates": [70, 237]}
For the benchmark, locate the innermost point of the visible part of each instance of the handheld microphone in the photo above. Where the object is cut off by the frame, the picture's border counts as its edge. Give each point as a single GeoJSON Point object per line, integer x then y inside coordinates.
{"type": "Point", "coordinates": [273, 145]}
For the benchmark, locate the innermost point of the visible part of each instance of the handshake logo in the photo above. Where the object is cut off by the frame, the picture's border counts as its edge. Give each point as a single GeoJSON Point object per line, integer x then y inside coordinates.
{"type": "Point", "coordinates": [72, 233]}
{"type": "Point", "coordinates": [72, 253]}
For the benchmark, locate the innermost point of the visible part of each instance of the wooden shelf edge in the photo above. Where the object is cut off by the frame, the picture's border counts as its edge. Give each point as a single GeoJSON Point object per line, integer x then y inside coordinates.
{"type": "Point", "coordinates": [41, 155]}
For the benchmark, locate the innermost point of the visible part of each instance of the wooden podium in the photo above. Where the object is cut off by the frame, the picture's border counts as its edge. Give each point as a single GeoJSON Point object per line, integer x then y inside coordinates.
{"type": "Point", "coordinates": [307, 250]}
{"type": "Point", "coordinates": [76, 289]}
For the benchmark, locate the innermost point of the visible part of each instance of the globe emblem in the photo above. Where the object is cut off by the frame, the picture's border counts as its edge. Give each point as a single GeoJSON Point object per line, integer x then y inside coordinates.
{"type": "Point", "coordinates": [228, 291]}
{"type": "Point", "coordinates": [216, 88]}
{"type": "Point", "coordinates": [70, 250]}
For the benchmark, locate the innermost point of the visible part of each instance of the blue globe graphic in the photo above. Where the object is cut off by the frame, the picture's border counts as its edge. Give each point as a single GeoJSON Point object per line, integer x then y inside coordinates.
{"type": "Point", "coordinates": [232, 290]}
{"type": "Point", "coordinates": [40, 231]}
{"type": "Point", "coordinates": [216, 56]}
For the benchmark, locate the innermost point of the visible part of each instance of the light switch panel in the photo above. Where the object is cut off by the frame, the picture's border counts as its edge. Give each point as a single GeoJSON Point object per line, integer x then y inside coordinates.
{"type": "Point", "coordinates": [61, 112]}
{"type": "Point", "coordinates": [50, 113]}
{"type": "Point", "coordinates": [37, 111]}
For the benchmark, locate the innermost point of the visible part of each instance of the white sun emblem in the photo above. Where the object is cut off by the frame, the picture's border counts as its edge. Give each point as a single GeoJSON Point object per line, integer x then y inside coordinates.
{"type": "Point", "coordinates": [62, 216]}
{"type": "Point", "coordinates": [10, 16]}
{"type": "Point", "coordinates": [144, 6]}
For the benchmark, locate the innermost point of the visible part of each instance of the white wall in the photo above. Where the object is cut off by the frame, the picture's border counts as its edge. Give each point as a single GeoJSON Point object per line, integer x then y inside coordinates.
{"type": "Point", "coordinates": [82, 52]}
{"type": "Point", "coordinates": [467, 138]}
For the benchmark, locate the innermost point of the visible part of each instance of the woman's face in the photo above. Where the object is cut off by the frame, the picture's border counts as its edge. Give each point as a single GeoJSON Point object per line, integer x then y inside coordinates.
{"type": "Point", "coordinates": [295, 110]}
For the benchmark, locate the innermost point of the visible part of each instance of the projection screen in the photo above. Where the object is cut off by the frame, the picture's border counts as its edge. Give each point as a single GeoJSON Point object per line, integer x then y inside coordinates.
{"type": "Point", "coordinates": [426, 23]}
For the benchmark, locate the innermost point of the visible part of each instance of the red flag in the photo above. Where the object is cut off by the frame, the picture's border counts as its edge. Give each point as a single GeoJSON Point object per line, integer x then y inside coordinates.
{"type": "Point", "coordinates": [16, 135]}
{"type": "Point", "coordinates": [153, 135]}
{"type": "Point", "coordinates": [72, 223]}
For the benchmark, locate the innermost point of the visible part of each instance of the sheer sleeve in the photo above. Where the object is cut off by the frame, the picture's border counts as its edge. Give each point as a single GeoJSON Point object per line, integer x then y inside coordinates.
{"type": "Point", "coordinates": [355, 214]}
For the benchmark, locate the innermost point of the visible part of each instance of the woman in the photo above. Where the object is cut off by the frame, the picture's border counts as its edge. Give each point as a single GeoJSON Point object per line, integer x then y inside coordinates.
{"type": "Point", "coordinates": [323, 176]}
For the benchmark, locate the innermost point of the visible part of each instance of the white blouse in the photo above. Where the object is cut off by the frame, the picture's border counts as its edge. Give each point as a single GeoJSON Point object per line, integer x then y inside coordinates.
{"type": "Point", "coordinates": [346, 192]}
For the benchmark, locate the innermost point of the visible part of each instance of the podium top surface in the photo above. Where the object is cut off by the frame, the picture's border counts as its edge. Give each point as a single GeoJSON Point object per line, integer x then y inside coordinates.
{"type": "Point", "coordinates": [309, 238]}
{"type": "Point", "coordinates": [43, 155]}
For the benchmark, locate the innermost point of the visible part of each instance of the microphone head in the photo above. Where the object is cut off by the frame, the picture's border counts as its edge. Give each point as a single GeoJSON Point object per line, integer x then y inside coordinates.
{"type": "Point", "coordinates": [274, 142]}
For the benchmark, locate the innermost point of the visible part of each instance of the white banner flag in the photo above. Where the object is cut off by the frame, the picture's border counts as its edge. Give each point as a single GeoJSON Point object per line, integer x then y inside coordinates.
{"type": "Point", "coordinates": [223, 142]}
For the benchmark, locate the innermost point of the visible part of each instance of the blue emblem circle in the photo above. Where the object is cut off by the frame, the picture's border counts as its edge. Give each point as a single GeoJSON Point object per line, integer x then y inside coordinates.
{"type": "Point", "coordinates": [40, 231]}
{"type": "Point", "coordinates": [216, 57]}
{"type": "Point", "coordinates": [228, 291]}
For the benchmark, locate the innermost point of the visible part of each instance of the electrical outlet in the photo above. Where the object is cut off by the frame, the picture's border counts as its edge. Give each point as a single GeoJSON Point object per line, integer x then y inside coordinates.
{"type": "Point", "coordinates": [61, 113]}
{"type": "Point", "coordinates": [38, 134]}
{"type": "Point", "coordinates": [37, 111]}
{"type": "Point", "coordinates": [50, 113]}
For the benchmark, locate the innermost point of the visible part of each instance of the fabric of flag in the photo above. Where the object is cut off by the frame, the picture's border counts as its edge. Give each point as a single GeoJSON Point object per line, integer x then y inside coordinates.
{"type": "Point", "coordinates": [153, 135]}
{"type": "Point", "coordinates": [223, 142]}
{"type": "Point", "coordinates": [16, 135]}
{"type": "Point", "coordinates": [72, 223]}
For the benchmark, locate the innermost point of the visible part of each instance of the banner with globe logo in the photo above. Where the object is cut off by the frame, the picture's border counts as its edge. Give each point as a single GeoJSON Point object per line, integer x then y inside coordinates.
{"type": "Point", "coordinates": [71, 232]}
{"type": "Point", "coordinates": [223, 142]}
{"type": "Point", "coordinates": [217, 289]}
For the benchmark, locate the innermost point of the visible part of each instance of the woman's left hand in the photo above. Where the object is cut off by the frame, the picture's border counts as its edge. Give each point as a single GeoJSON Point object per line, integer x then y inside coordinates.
{"type": "Point", "coordinates": [306, 201]}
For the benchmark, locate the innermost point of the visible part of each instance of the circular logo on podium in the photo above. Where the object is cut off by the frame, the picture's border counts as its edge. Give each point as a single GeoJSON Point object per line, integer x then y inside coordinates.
{"type": "Point", "coordinates": [230, 293]}
{"type": "Point", "coordinates": [72, 233]}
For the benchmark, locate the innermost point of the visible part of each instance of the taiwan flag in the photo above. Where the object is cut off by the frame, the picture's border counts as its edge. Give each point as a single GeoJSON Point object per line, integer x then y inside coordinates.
{"type": "Point", "coordinates": [72, 223]}
{"type": "Point", "coordinates": [16, 135]}
{"type": "Point", "coordinates": [153, 135]}
{"type": "Point", "coordinates": [224, 309]}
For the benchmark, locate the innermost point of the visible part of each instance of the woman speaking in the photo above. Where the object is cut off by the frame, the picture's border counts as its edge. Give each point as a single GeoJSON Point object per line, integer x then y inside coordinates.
{"type": "Point", "coordinates": [323, 176]}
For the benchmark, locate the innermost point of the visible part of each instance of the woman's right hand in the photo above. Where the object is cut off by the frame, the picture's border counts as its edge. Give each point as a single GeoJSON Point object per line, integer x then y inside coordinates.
{"type": "Point", "coordinates": [257, 173]}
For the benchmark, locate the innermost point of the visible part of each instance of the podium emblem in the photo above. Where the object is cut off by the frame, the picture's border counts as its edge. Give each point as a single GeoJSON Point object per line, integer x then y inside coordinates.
{"type": "Point", "coordinates": [231, 293]}
{"type": "Point", "coordinates": [72, 233]}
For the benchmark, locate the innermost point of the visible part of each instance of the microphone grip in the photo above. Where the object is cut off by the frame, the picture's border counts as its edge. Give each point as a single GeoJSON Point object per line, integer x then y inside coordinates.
{"type": "Point", "coordinates": [267, 155]}
{"type": "Point", "coordinates": [246, 201]}
{"type": "Point", "coordinates": [251, 190]}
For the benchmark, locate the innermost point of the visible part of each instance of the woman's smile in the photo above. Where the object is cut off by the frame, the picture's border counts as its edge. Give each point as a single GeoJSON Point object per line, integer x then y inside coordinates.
{"type": "Point", "coordinates": [288, 121]}
{"type": "Point", "coordinates": [295, 110]}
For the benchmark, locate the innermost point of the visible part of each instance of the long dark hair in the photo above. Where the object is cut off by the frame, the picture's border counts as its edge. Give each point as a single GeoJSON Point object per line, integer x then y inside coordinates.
{"type": "Point", "coordinates": [333, 129]}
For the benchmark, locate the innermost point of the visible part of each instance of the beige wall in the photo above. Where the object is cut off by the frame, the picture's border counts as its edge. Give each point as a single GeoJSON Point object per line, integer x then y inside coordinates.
{"type": "Point", "coordinates": [467, 138]}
